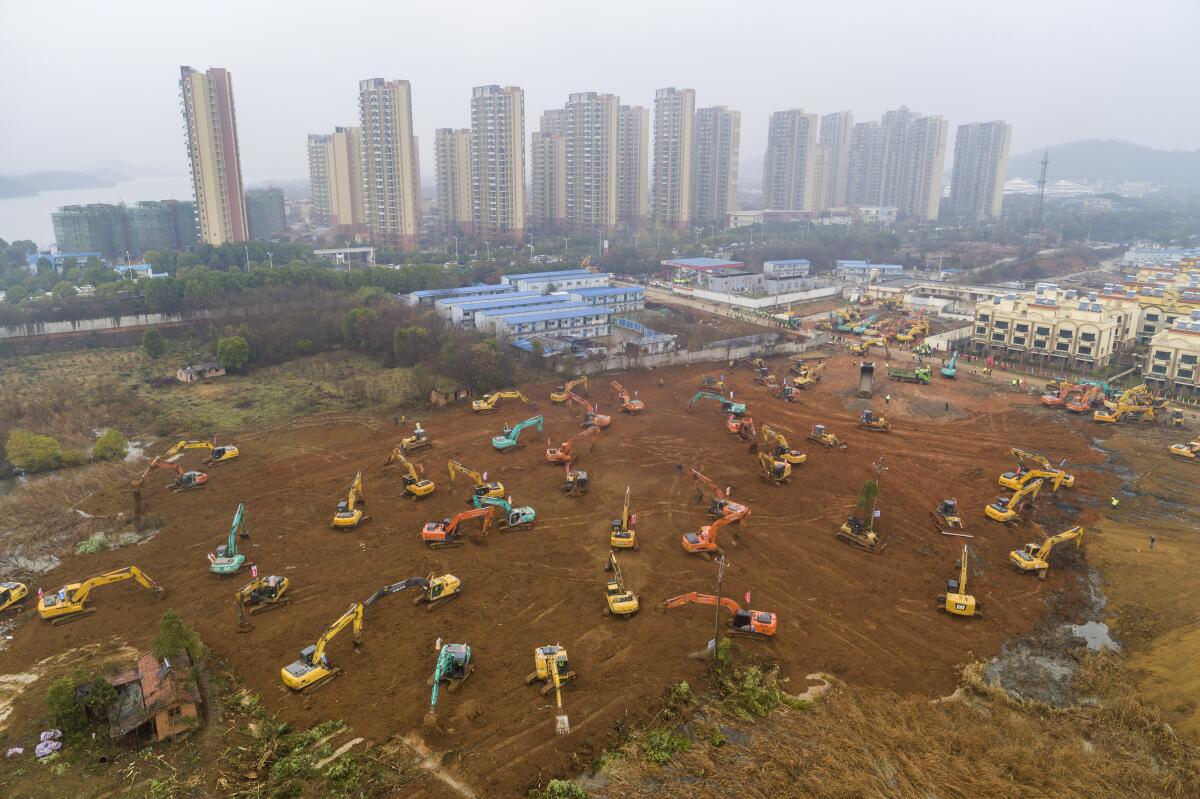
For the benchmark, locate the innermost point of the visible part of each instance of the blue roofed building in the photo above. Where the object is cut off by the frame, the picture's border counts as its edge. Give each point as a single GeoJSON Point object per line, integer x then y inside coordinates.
{"type": "Point", "coordinates": [865, 271]}
{"type": "Point", "coordinates": [612, 298]}
{"type": "Point", "coordinates": [469, 314]}
{"type": "Point", "coordinates": [489, 321]}
{"type": "Point", "coordinates": [428, 297]}
{"type": "Point", "coordinates": [563, 280]}
{"type": "Point", "coordinates": [559, 323]}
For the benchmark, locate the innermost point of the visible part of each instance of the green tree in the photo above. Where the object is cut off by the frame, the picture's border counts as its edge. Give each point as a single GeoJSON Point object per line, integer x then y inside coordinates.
{"type": "Point", "coordinates": [16, 295]}
{"type": "Point", "coordinates": [355, 325]}
{"type": "Point", "coordinates": [31, 452]}
{"type": "Point", "coordinates": [153, 343]}
{"type": "Point", "coordinates": [174, 636]}
{"type": "Point", "coordinates": [233, 352]}
{"type": "Point", "coordinates": [66, 711]}
{"type": "Point", "coordinates": [411, 345]}
{"type": "Point", "coordinates": [112, 446]}
{"type": "Point", "coordinates": [63, 290]}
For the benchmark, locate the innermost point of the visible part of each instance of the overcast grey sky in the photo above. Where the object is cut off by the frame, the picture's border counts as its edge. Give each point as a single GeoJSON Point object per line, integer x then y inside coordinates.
{"type": "Point", "coordinates": [82, 81]}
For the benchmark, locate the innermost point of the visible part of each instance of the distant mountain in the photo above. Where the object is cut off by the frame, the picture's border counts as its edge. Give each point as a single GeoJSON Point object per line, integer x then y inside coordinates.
{"type": "Point", "coordinates": [1095, 161]}
{"type": "Point", "coordinates": [36, 182]}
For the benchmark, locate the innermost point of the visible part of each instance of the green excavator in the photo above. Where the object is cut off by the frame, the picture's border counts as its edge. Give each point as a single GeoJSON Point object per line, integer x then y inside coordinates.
{"type": "Point", "coordinates": [228, 560]}
{"type": "Point", "coordinates": [454, 666]}
{"type": "Point", "coordinates": [509, 440]}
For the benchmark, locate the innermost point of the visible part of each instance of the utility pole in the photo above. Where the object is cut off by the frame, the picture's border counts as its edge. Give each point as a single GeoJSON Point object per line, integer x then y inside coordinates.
{"type": "Point", "coordinates": [1041, 198]}
{"type": "Point", "coordinates": [879, 470]}
{"type": "Point", "coordinates": [721, 564]}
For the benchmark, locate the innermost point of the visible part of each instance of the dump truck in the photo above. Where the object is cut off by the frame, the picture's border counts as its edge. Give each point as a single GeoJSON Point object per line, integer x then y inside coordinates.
{"type": "Point", "coordinates": [920, 375]}
{"type": "Point", "coordinates": [866, 380]}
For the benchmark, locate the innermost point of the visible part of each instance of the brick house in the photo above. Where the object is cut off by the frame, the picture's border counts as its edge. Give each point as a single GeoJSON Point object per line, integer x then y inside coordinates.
{"type": "Point", "coordinates": [155, 701]}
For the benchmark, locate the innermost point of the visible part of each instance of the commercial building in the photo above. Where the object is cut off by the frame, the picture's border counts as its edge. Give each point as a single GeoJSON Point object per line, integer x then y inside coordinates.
{"type": "Point", "coordinates": [452, 163]}
{"type": "Point", "coordinates": [564, 280]}
{"type": "Point", "coordinates": [834, 142]}
{"type": "Point", "coordinates": [391, 195]}
{"type": "Point", "coordinates": [548, 162]}
{"type": "Point", "coordinates": [1171, 362]}
{"type": "Point", "coordinates": [980, 169]}
{"type": "Point", "coordinates": [498, 162]}
{"type": "Point", "coordinates": [99, 227]}
{"type": "Point", "coordinates": [215, 161]}
{"type": "Point", "coordinates": [592, 132]}
{"type": "Point", "coordinates": [264, 211]}
{"type": "Point", "coordinates": [674, 130]}
{"type": "Point", "coordinates": [715, 164]}
{"type": "Point", "coordinates": [633, 165]}
{"type": "Point", "coordinates": [162, 225]}
{"type": "Point", "coordinates": [790, 161]}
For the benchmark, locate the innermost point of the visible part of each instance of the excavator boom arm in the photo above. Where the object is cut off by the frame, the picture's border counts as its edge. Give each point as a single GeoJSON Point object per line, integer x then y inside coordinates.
{"type": "Point", "coordinates": [353, 616]}
{"type": "Point", "coordinates": [1048, 545]}
{"type": "Point", "coordinates": [117, 576]}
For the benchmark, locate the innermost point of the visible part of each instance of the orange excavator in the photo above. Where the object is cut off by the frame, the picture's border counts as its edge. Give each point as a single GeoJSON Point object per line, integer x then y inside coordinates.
{"type": "Point", "coordinates": [629, 404]}
{"type": "Point", "coordinates": [705, 541]}
{"type": "Point", "coordinates": [591, 417]}
{"type": "Point", "coordinates": [757, 623]}
{"type": "Point", "coordinates": [565, 452]}
{"type": "Point", "coordinates": [184, 480]}
{"type": "Point", "coordinates": [1059, 399]}
{"type": "Point", "coordinates": [741, 428]}
{"type": "Point", "coordinates": [720, 505]}
{"type": "Point", "coordinates": [439, 535]}
{"type": "Point", "coordinates": [1086, 400]}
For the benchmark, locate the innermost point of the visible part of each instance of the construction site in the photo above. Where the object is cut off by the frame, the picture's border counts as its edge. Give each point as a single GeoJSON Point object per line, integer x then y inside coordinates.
{"type": "Point", "coordinates": [856, 528]}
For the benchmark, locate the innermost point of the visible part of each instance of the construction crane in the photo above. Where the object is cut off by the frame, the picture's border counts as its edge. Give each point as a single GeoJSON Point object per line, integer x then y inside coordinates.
{"type": "Point", "coordinates": [826, 439]}
{"type": "Point", "coordinates": [184, 480]}
{"type": "Point", "coordinates": [1189, 451]}
{"type": "Point", "coordinates": [1143, 413]}
{"type": "Point", "coordinates": [1005, 509]}
{"type": "Point", "coordinates": [704, 541]}
{"type": "Point", "coordinates": [349, 510]}
{"type": "Point", "coordinates": [591, 414]}
{"type": "Point", "coordinates": [754, 623]}
{"type": "Point", "coordinates": [439, 535]}
{"type": "Point", "coordinates": [68, 603]}
{"type": "Point", "coordinates": [453, 666]}
{"type": "Point", "coordinates": [313, 669]}
{"type": "Point", "coordinates": [741, 427]}
{"type": "Point", "coordinates": [946, 515]}
{"type": "Point", "coordinates": [228, 560]}
{"type": "Point", "coordinates": [620, 600]}
{"type": "Point", "coordinates": [488, 403]}
{"type": "Point", "coordinates": [956, 601]}
{"type": "Point", "coordinates": [774, 442]}
{"type": "Point", "coordinates": [415, 485]}
{"type": "Point", "coordinates": [576, 483]}
{"type": "Point", "coordinates": [12, 595]}
{"type": "Point", "coordinates": [720, 505]}
{"type": "Point", "coordinates": [1041, 468]}
{"type": "Point", "coordinates": [950, 370]}
{"type": "Point", "coordinates": [1035, 558]}
{"type": "Point", "coordinates": [482, 487]}
{"type": "Point", "coordinates": [565, 452]}
{"type": "Point", "coordinates": [774, 471]}
{"type": "Point", "coordinates": [559, 395]}
{"type": "Point", "coordinates": [869, 421]}
{"type": "Point", "coordinates": [511, 518]}
{"type": "Point", "coordinates": [509, 440]}
{"type": "Point", "coordinates": [216, 454]}
{"type": "Point", "coordinates": [728, 406]}
{"type": "Point", "coordinates": [629, 404]}
{"type": "Point", "coordinates": [260, 594]}
{"type": "Point", "coordinates": [622, 535]}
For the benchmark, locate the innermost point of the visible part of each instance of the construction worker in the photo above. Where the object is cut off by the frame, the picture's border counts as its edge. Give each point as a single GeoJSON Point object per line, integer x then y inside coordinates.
{"type": "Point", "coordinates": [887, 400]}
{"type": "Point", "coordinates": [1115, 501]}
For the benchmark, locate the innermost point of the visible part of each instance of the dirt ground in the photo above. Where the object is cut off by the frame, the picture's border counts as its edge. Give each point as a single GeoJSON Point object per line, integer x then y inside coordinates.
{"type": "Point", "coordinates": [870, 619]}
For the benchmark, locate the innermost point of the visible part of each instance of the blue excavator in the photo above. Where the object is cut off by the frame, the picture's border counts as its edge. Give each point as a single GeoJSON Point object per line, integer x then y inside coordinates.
{"type": "Point", "coordinates": [950, 369]}
{"type": "Point", "coordinates": [454, 666]}
{"type": "Point", "coordinates": [728, 406]}
{"type": "Point", "coordinates": [512, 518]}
{"type": "Point", "coordinates": [508, 441]}
{"type": "Point", "coordinates": [228, 560]}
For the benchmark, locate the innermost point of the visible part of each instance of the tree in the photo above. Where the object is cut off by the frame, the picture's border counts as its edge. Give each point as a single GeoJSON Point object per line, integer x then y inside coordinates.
{"type": "Point", "coordinates": [411, 345]}
{"type": "Point", "coordinates": [233, 352]}
{"type": "Point", "coordinates": [16, 295]}
{"type": "Point", "coordinates": [355, 325]}
{"type": "Point", "coordinates": [65, 709]}
{"type": "Point", "coordinates": [174, 636]}
{"type": "Point", "coordinates": [153, 343]}
{"type": "Point", "coordinates": [112, 446]}
{"type": "Point", "coordinates": [31, 452]}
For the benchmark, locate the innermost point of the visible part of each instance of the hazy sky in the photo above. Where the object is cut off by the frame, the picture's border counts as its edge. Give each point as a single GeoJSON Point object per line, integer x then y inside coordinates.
{"type": "Point", "coordinates": [82, 82]}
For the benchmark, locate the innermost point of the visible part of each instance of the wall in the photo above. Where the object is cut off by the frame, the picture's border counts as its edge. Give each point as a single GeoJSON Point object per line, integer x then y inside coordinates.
{"type": "Point", "coordinates": [760, 302]}
{"type": "Point", "coordinates": [721, 352]}
{"type": "Point", "coordinates": [131, 322]}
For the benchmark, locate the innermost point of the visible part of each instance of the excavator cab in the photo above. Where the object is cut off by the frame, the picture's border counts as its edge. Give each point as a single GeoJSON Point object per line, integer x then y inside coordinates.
{"type": "Point", "coordinates": [754, 622]}
{"type": "Point", "coordinates": [11, 594]}
{"type": "Point", "coordinates": [576, 484]}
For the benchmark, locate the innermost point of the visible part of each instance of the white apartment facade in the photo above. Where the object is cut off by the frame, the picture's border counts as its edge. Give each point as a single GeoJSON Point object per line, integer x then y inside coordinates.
{"type": "Point", "coordinates": [715, 164]}
{"type": "Point", "coordinates": [674, 131]}
{"type": "Point", "coordinates": [391, 203]}
{"type": "Point", "coordinates": [498, 162]}
{"type": "Point", "coordinates": [790, 162]}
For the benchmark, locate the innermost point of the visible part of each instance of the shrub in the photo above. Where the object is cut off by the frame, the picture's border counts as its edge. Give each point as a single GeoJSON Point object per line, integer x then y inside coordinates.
{"type": "Point", "coordinates": [31, 452]}
{"type": "Point", "coordinates": [153, 343]}
{"type": "Point", "coordinates": [174, 636]}
{"type": "Point", "coordinates": [659, 746]}
{"type": "Point", "coordinates": [233, 352]}
{"type": "Point", "coordinates": [66, 712]}
{"type": "Point", "coordinates": [559, 789]}
{"type": "Point", "coordinates": [90, 546]}
{"type": "Point", "coordinates": [112, 446]}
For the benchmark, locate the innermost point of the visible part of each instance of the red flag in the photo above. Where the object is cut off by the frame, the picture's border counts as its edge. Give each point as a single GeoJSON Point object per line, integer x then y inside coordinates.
{"type": "Point", "coordinates": [40, 593]}
{"type": "Point", "coordinates": [254, 571]}
{"type": "Point", "coordinates": [212, 558]}
{"type": "Point", "coordinates": [747, 597]}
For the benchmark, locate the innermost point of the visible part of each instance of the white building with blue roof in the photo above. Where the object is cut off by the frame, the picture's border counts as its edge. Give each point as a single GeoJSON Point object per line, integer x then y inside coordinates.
{"type": "Point", "coordinates": [564, 280]}
{"type": "Point", "coordinates": [565, 322]}
{"type": "Point", "coordinates": [428, 297]}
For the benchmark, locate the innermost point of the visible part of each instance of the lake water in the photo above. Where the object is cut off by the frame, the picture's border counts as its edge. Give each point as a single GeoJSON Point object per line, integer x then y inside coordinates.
{"type": "Point", "coordinates": [29, 217]}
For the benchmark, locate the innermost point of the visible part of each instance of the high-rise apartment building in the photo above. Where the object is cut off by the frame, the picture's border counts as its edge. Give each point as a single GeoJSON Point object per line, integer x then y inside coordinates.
{"type": "Point", "coordinates": [980, 167]}
{"type": "Point", "coordinates": [821, 178]}
{"type": "Point", "coordinates": [674, 129]}
{"type": "Point", "coordinates": [216, 164]}
{"type": "Point", "coordinates": [498, 162]}
{"type": "Point", "coordinates": [591, 131]}
{"type": "Point", "coordinates": [346, 212]}
{"type": "Point", "coordinates": [391, 200]}
{"type": "Point", "coordinates": [836, 132]}
{"type": "Point", "coordinates": [633, 164]}
{"type": "Point", "coordinates": [867, 164]}
{"type": "Point", "coordinates": [452, 163]}
{"type": "Point", "coordinates": [318, 175]}
{"type": "Point", "coordinates": [548, 165]}
{"type": "Point", "coordinates": [99, 227]}
{"type": "Point", "coordinates": [916, 156]}
{"type": "Point", "coordinates": [715, 164]}
{"type": "Point", "coordinates": [790, 162]}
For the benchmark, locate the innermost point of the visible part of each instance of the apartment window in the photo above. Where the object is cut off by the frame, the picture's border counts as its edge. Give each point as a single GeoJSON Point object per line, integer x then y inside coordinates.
{"type": "Point", "coordinates": [1062, 346]}
{"type": "Point", "coordinates": [1159, 369]}
{"type": "Point", "coordinates": [1066, 333]}
{"type": "Point", "coordinates": [1151, 317]}
{"type": "Point", "coordinates": [1184, 374]}
{"type": "Point", "coordinates": [1190, 360]}
{"type": "Point", "coordinates": [1042, 331]}
{"type": "Point", "coordinates": [984, 317]}
{"type": "Point", "coordinates": [1084, 350]}
{"type": "Point", "coordinates": [1019, 340]}
{"type": "Point", "coordinates": [1162, 355]}
{"type": "Point", "coordinates": [1001, 324]}
{"type": "Point", "coordinates": [1039, 343]}
{"type": "Point", "coordinates": [1023, 327]}
{"type": "Point", "coordinates": [998, 337]}
{"type": "Point", "coordinates": [1090, 337]}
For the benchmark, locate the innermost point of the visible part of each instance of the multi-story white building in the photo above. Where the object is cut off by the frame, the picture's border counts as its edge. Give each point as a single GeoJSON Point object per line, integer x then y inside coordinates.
{"type": "Point", "coordinates": [592, 147]}
{"type": "Point", "coordinates": [674, 131]}
{"type": "Point", "coordinates": [866, 164]}
{"type": "Point", "coordinates": [318, 175]}
{"type": "Point", "coordinates": [1171, 363]}
{"type": "Point", "coordinates": [563, 280]}
{"type": "Point", "coordinates": [498, 162]}
{"type": "Point", "coordinates": [980, 169]}
{"type": "Point", "coordinates": [391, 201]}
{"type": "Point", "coordinates": [633, 165]}
{"type": "Point", "coordinates": [836, 132]}
{"type": "Point", "coordinates": [215, 160]}
{"type": "Point", "coordinates": [548, 184]}
{"type": "Point", "coordinates": [715, 164]}
{"type": "Point", "coordinates": [789, 165]}
{"type": "Point", "coordinates": [452, 164]}
{"type": "Point", "coordinates": [559, 323]}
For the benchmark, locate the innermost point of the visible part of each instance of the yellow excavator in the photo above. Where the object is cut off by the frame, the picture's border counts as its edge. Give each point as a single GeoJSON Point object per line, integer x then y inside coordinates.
{"type": "Point", "coordinates": [559, 395]}
{"type": "Point", "coordinates": [313, 669]}
{"type": "Point", "coordinates": [621, 601]}
{"type": "Point", "coordinates": [774, 471]}
{"type": "Point", "coordinates": [260, 595]}
{"type": "Point", "coordinates": [1134, 395]}
{"type": "Point", "coordinates": [414, 484]}
{"type": "Point", "coordinates": [1006, 509]}
{"type": "Point", "coordinates": [67, 604]}
{"type": "Point", "coordinates": [775, 443]}
{"type": "Point", "coordinates": [623, 536]}
{"type": "Point", "coordinates": [488, 403]}
{"type": "Point", "coordinates": [216, 454]}
{"type": "Point", "coordinates": [552, 667]}
{"type": "Point", "coordinates": [1041, 468]}
{"type": "Point", "coordinates": [482, 487]}
{"type": "Point", "coordinates": [1137, 413]}
{"type": "Point", "coordinates": [350, 510]}
{"type": "Point", "coordinates": [946, 515]}
{"type": "Point", "coordinates": [956, 601]}
{"type": "Point", "coordinates": [1190, 451]}
{"type": "Point", "coordinates": [419, 440]}
{"type": "Point", "coordinates": [12, 595]}
{"type": "Point", "coordinates": [1035, 558]}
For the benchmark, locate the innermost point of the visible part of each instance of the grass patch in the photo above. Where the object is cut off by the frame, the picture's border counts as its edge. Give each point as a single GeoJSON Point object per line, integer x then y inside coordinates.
{"type": "Point", "coordinates": [658, 746]}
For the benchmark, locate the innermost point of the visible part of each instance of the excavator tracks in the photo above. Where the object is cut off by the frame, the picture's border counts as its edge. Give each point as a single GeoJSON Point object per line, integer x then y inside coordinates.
{"type": "Point", "coordinates": [72, 617]}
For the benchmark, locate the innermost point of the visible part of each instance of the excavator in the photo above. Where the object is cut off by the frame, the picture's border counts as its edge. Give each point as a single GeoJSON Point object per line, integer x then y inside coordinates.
{"type": "Point", "coordinates": [349, 511]}
{"type": "Point", "coordinates": [1059, 398]}
{"type": "Point", "coordinates": [509, 440]}
{"type": "Point", "coordinates": [228, 560]}
{"type": "Point", "coordinates": [1041, 468]}
{"type": "Point", "coordinates": [216, 454]}
{"type": "Point", "coordinates": [439, 535]}
{"type": "Point", "coordinates": [826, 439]}
{"type": "Point", "coordinates": [708, 382]}
{"type": "Point", "coordinates": [869, 421]}
{"type": "Point", "coordinates": [1085, 400]}
{"type": "Point", "coordinates": [1006, 509]}
{"type": "Point", "coordinates": [755, 623]}
{"type": "Point", "coordinates": [488, 403]}
{"type": "Point", "coordinates": [720, 505]}
{"type": "Point", "coordinates": [565, 452]}
{"type": "Point", "coordinates": [1144, 413]}
{"type": "Point", "coordinates": [1190, 451]}
{"type": "Point", "coordinates": [807, 375]}
{"type": "Point", "coordinates": [559, 395]}
{"type": "Point", "coordinates": [629, 404]}
{"type": "Point", "coordinates": [956, 601]}
{"type": "Point", "coordinates": [418, 441]}
{"type": "Point", "coordinates": [543, 657]}
{"type": "Point", "coordinates": [728, 406]}
{"type": "Point", "coordinates": [12, 595]}
{"type": "Point", "coordinates": [576, 483]}
{"type": "Point", "coordinates": [950, 370]}
{"type": "Point", "coordinates": [482, 487]}
{"type": "Point", "coordinates": [511, 518]}
{"type": "Point", "coordinates": [859, 347]}
{"type": "Point", "coordinates": [591, 414]}
{"type": "Point", "coordinates": [436, 591]}
{"type": "Point", "coordinates": [946, 515]}
{"type": "Point", "coordinates": [773, 470]}
{"type": "Point", "coordinates": [184, 480]}
{"type": "Point", "coordinates": [1035, 558]}
{"type": "Point", "coordinates": [453, 666]}
{"type": "Point", "coordinates": [741, 427]}
{"type": "Point", "coordinates": [415, 485]}
{"type": "Point", "coordinates": [780, 449]}
{"type": "Point", "coordinates": [1135, 395]}
{"type": "Point", "coordinates": [620, 600]}
{"type": "Point", "coordinates": [313, 669]}
{"type": "Point", "coordinates": [68, 603]}
{"type": "Point", "coordinates": [260, 594]}
{"type": "Point", "coordinates": [622, 535]}
{"type": "Point", "coordinates": [705, 541]}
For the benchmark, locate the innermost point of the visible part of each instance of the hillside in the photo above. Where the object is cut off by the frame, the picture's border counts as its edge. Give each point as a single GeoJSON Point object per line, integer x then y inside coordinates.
{"type": "Point", "coordinates": [1095, 160]}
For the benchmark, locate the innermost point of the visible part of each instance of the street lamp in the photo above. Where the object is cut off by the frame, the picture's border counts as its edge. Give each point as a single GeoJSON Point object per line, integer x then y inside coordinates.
{"type": "Point", "coordinates": [456, 249]}
{"type": "Point", "coordinates": [565, 240]}
{"type": "Point", "coordinates": [271, 260]}
{"type": "Point", "coordinates": [599, 244]}
{"type": "Point", "coordinates": [487, 248]}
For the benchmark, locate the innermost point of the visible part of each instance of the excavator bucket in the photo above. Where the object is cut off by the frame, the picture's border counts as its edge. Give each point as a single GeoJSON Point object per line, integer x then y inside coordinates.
{"type": "Point", "coordinates": [562, 725]}
{"type": "Point", "coordinates": [431, 720]}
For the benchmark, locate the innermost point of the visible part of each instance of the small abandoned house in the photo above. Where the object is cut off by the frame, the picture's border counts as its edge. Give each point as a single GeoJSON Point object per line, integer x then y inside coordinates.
{"type": "Point", "coordinates": [155, 701]}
